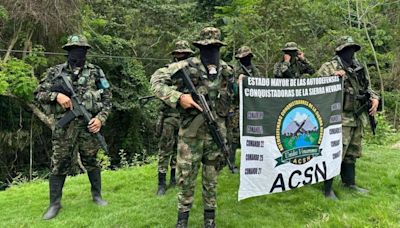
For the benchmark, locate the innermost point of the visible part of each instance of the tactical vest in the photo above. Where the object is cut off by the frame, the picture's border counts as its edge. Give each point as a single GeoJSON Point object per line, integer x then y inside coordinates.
{"type": "Point", "coordinates": [88, 86]}
{"type": "Point", "coordinates": [217, 91]}
{"type": "Point", "coordinates": [352, 86]}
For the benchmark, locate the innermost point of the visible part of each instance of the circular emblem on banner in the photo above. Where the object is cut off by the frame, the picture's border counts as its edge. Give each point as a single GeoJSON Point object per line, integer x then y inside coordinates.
{"type": "Point", "coordinates": [299, 132]}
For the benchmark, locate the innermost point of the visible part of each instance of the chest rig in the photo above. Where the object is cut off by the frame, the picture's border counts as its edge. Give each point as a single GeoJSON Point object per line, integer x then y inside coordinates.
{"type": "Point", "coordinates": [214, 89]}
{"type": "Point", "coordinates": [87, 85]}
{"type": "Point", "coordinates": [354, 82]}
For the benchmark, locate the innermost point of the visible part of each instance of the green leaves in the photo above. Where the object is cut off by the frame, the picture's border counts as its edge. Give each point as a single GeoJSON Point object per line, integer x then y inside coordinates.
{"type": "Point", "coordinates": [16, 78]}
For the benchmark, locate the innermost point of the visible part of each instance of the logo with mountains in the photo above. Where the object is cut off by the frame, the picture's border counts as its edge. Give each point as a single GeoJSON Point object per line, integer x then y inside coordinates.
{"type": "Point", "coordinates": [299, 132]}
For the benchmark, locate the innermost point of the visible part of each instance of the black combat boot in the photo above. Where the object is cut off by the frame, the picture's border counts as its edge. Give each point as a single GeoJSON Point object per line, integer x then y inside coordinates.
{"type": "Point", "coordinates": [95, 181]}
{"type": "Point", "coordinates": [183, 218]}
{"type": "Point", "coordinates": [172, 180]}
{"type": "Point", "coordinates": [56, 184]}
{"type": "Point", "coordinates": [349, 177]}
{"type": "Point", "coordinates": [209, 218]}
{"type": "Point", "coordinates": [162, 186]}
{"type": "Point", "coordinates": [328, 191]}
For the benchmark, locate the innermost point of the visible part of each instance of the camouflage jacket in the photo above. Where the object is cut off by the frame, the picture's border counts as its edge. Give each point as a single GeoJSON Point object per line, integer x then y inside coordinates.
{"type": "Point", "coordinates": [167, 84]}
{"type": "Point", "coordinates": [168, 111]}
{"type": "Point", "coordinates": [352, 86]}
{"type": "Point", "coordinates": [87, 86]}
{"type": "Point", "coordinates": [252, 69]}
{"type": "Point", "coordinates": [295, 70]}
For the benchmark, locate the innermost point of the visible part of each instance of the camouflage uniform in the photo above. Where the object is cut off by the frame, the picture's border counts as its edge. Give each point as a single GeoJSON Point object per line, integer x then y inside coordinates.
{"type": "Point", "coordinates": [75, 137]}
{"type": "Point", "coordinates": [91, 86]}
{"type": "Point", "coordinates": [169, 131]}
{"type": "Point", "coordinates": [233, 134]}
{"type": "Point", "coordinates": [295, 68]}
{"type": "Point", "coordinates": [195, 144]}
{"type": "Point", "coordinates": [352, 125]}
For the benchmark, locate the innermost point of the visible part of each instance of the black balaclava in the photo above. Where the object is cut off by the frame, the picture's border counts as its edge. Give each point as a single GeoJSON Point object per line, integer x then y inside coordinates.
{"type": "Point", "coordinates": [77, 57]}
{"type": "Point", "coordinates": [246, 61]}
{"type": "Point", "coordinates": [347, 55]}
{"type": "Point", "coordinates": [209, 56]}
{"type": "Point", "coordinates": [293, 56]}
{"type": "Point", "coordinates": [180, 58]}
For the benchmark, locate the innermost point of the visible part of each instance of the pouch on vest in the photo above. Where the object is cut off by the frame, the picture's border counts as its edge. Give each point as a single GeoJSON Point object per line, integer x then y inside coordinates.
{"type": "Point", "coordinates": [349, 98]}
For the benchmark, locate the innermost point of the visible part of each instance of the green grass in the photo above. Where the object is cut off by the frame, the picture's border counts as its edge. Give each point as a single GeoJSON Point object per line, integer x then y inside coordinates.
{"type": "Point", "coordinates": [132, 201]}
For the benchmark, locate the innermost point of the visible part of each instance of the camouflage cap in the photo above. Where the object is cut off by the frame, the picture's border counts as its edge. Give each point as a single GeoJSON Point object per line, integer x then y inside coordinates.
{"type": "Point", "coordinates": [243, 52]}
{"type": "Point", "coordinates": [290, 46]}
{"type": "Point", "coordinates": [346, 41]}
{"type": "Point", "coordinates": [76, 40]}
{"type": "Point", "coordinates": [209, 36]}
{"type": "Point", "coordinates": [182, 46]}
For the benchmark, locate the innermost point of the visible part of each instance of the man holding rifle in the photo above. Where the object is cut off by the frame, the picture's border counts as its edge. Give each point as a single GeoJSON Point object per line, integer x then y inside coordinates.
{"type": "Point", "coordinates": [77, 94]}
{"type": "Point", "coordinates": [203, 97]}
{"type": "Point", "coordinates": [360, 104]}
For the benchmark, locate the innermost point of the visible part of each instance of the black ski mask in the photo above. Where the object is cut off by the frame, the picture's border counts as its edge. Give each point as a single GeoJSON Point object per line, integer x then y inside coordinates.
{"type": "Point", "coordinates": [77, 56]}
{"type": "Point", "coordinates": [347, 55]}
{"type": "Point", "coordinates": [293, 56]}
{"type": "Point", "coordinates": [209, 56]}
{"type": "Point", "coordinates": [246, 61]}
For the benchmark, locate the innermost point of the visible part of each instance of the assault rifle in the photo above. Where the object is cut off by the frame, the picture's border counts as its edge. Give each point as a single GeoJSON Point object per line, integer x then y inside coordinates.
{"type": "Point", "coordinates": [144, 100]}
{"type": "Point", "coordinates": [246, 70]}
{"type": "Point", "coordinates": [364, 98]}
{"type": "Point", "coordinates": [78, 110]}
{"type": "Point", "coordinates": [208, 117]}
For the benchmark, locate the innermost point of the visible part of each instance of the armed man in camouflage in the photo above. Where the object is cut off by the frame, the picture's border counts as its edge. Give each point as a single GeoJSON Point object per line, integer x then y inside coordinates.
{"type": "Point", "coordinates": [213, 78]}
{"type": "Point", "coordinates": [344, 64]}
{"type": "Point", "coordinates": [92, 87]}
{"type": "Point", "coordinates": [168, 126]}
{"type": "Point", "coordinates": [244, 67]}
{"type": "Point", "coordinates": [293, 63]}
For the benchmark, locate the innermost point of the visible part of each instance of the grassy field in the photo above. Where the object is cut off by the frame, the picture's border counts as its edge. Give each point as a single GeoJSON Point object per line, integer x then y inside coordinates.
{"type": "Point", "coordinates": [131, 194]}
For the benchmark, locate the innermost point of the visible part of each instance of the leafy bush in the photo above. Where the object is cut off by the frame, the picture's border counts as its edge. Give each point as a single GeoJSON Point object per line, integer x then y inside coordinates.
{"type": "Point", "coordinates": [385, 133]}
{"type": "Point", "coordinates": [103, 159]}
{"type": "Point", "coordinates": [16, 78]}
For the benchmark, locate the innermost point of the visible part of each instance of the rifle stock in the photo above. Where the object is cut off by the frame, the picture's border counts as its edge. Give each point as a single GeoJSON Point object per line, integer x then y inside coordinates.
{"type": "Point", "coordinates": [365, 99]}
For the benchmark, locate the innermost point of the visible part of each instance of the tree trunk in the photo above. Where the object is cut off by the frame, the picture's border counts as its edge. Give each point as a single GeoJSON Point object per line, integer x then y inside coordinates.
{"type": "Point", "coordinates": [27, 44]}
{"type": "Point", "coordinates": [382, 91]}
{"type": "Point", "coordinates": [12, 43]}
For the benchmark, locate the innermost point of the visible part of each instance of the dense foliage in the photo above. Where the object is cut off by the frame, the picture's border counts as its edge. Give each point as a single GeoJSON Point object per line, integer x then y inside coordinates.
{"type": "Point", "coordinates": [131, 39]}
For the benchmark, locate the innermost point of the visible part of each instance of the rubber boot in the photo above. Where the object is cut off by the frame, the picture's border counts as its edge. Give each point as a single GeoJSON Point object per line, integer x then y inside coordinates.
{"type": "Point", "coordinates": [172, 180]}
{"type": "Point", "coordinates": [328, 191]}
{"type": "Point", "coordinates": [232, 157]}
{"type": "Point", "coordinates": [183, 218]}
{"type": "Point", "coordinates": [209, 218]}
{"type": "Point", "coordinates": [56, 184]}
{"type": "Point", "coordinates": [95, 181]}
{"type": "Point", "coordinates": [162, 187]}
{"type": "Point", "coordinates": [349, 178]}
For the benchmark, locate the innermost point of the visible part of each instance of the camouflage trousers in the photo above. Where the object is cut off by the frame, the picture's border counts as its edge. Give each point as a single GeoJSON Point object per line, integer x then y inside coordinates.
{"type": "Point", "coordinates": [191, 153]}
{"type": "Point", "coordinates": [67, 143]}
{"type": "Point", "coordinates": [352, 143]}
{"type": "Point", "coordinates": [167, 147]}
{"type": "Point", "coordinates": [233, 133]}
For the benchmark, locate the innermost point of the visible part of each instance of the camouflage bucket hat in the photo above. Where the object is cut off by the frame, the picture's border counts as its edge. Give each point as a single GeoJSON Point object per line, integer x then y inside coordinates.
{"type": "Point", "coordinates": [76, 40]}
{"type": "Point", "coordinates": [346, 41]}
{"type": "Point", "coordinates": [209, 36]}
{"type": "Point", "coordinates": [290, 46]}
{"type": "Point", "coordinates": [182, 46]}
{"type": "Point", "coordinates": [243, 52]}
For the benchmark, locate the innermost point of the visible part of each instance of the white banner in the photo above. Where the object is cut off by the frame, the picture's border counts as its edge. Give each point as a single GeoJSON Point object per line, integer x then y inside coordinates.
{"type": "Point", "coordinates": [291, 133]}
